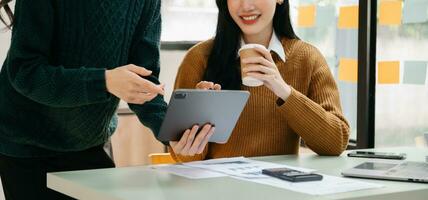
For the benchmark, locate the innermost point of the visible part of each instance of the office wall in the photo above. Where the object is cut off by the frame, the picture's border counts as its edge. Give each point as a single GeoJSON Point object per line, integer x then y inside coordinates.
{"type": "Point", "coordinates": [170, 61]}
{"type": "Point", "coordinates": [4, 45]}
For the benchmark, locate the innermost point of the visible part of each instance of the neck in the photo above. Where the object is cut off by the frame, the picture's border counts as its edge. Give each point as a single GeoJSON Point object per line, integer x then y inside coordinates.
{"type": "Point", "coordinates": [262, 38]}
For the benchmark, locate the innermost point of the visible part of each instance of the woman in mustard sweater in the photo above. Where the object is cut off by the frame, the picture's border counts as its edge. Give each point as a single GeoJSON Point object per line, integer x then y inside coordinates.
{"type": "Point", "coordinates": [299, 98]}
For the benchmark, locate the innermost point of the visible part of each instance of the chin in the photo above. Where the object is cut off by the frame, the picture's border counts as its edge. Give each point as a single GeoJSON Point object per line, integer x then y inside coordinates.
{"type": "Point", "coordinates": [251, 31]}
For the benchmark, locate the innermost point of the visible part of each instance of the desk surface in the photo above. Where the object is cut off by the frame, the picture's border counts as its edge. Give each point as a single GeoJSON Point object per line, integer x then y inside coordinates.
{"type": "Point", "coordinates": [145, 183]}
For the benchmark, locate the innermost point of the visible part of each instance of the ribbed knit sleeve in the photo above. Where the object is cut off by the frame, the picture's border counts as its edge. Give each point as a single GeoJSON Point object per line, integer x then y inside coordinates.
{"type": "Point", "coordinates": [29, 67]}
{"type": "Point", "coordinates": [318, 117]}
{"type": "Point", "coordinates": [145, 53]}
{"type": "Point", "coordinates": [181, 159]}
{"type": "Point", "coordinates": [190, 73]}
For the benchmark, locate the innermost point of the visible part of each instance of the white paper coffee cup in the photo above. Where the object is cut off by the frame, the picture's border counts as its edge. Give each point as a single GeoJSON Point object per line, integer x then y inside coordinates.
{"type": "Point", "coordinates": [247, 51]}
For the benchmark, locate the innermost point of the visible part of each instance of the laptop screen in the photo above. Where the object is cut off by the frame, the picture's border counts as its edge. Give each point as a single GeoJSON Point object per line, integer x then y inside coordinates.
{"type": "Point", "coordinates": [376, 166]}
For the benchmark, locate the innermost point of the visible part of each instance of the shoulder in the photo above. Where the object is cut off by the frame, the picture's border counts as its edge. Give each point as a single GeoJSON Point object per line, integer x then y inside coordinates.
{"type": "Point", "coordinates": [202, 49]}
{"type": "Point", "coordinates": [304, 53]}
{"type": "Point", "coordinates": [192, 68]}
{"type": "Point", "coordinates": [199, 53]}
{"type": "Point", "coordinates": [196, 58]}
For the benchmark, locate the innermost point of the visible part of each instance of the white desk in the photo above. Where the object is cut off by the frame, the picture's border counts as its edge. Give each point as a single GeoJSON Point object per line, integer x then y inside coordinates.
{"type": "Point", "coordinates": [144, 183]}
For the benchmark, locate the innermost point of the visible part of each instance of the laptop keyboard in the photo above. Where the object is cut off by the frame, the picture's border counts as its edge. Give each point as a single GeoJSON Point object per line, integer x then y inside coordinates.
{"type": "Point", "coordinates": [417, 170]}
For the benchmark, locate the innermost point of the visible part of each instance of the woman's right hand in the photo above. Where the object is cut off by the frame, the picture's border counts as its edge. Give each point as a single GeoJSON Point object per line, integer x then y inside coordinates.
{"type": "Point", "coordinates": [192, 142]}
{"type": "Point", "coordinates": [127, 84]}
{"type": "Point", "coordinates": [206, 85]}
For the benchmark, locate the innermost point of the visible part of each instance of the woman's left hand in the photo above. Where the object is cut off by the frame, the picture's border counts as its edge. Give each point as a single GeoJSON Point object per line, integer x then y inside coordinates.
{"type": "Point", "coordinates": [265, 69]}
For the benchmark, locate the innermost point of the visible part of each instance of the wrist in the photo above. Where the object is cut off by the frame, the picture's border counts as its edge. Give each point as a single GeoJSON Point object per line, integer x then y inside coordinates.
{"type": "Point", "coordinates": [285, 92]}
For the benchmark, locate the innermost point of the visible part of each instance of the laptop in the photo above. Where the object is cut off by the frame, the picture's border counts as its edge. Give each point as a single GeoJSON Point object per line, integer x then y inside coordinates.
{"type": "Point", "coordinates": [402, 171]}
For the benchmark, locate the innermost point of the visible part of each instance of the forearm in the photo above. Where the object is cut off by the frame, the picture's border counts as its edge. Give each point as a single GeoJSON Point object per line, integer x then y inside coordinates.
{"type": "Point", "coordinates": [151, 114]}
{"type": "Point", "coordinates": [57, 86]}
{"type": "Point", "coordinates": [323, 129]}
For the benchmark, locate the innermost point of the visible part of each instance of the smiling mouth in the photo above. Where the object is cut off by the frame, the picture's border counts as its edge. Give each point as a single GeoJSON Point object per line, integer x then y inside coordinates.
{"type": "Point", "coordinates": [250, 19]}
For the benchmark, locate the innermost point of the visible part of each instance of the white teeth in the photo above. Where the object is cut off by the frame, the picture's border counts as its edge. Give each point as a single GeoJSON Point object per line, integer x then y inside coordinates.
{"type": "Point", "coordinates": [250, 17]}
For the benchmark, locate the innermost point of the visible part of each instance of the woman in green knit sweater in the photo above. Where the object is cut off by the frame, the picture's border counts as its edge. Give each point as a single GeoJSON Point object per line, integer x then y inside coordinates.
{"type": "Point", "coordinates": [68, 65]}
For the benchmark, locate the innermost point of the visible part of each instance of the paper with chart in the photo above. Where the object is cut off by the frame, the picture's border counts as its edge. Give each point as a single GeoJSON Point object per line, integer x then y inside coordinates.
{"type": "Point", "coordinates": [240, 167]}
{"type": "Point", "coordinates": [250, 170]}
{"type": "Point", "coordinates": [329, 185]}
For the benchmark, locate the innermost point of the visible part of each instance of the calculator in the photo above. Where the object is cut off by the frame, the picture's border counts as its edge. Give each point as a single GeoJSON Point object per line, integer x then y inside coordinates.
{"type": "Point", "coordinates": [292, 175]}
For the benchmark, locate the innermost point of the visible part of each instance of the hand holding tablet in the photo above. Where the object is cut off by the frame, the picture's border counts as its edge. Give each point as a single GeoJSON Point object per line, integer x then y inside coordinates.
{"type": "Point", "coordinates": [219, 109]}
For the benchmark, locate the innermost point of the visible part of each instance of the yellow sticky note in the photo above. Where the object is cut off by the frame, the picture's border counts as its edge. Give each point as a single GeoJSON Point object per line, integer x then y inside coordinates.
{"type": "Point", "coordinates": [389, 72]}
{"type": "Point", "coordinates": [348, 70]}
{"type": "Point", "coordinates": [348, 17]}
{"type": "Point", "coordinates": [390, 12]}
{"type": "Point", "coordinates": [306, 17]}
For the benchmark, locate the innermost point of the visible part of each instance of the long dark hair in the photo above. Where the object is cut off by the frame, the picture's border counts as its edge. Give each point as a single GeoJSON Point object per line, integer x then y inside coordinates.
{"type": "Point", "coordinates": [223, 65]}
{"type": "Point", "coordinates": [4, 5]}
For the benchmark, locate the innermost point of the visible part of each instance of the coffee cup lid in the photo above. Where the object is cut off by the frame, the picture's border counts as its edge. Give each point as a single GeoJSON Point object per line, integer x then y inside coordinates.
{"type": "Point", "coordinates": [251, 46]}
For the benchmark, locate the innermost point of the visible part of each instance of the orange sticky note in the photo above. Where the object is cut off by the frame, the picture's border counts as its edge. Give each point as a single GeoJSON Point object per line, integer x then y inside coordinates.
{"type": "Point", "coordinates": [348, 70]}
{"type": "Point", "coordinates": [306, 16]}
{"type": "Point", "coordinates": [348, 17]}
{"type": "Point", "coordinates": [389, 72]}
{"type": "Point", "coordinates": [390, 12]}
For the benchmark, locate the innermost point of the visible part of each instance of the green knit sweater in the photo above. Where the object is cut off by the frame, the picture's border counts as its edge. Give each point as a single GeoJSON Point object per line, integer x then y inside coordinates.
{"type": "Point", "coordinates": [53, 95]}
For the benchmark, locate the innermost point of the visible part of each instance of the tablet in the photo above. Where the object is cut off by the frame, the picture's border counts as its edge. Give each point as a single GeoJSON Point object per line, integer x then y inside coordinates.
{"type": "Point", "coordinates": [186, 108]}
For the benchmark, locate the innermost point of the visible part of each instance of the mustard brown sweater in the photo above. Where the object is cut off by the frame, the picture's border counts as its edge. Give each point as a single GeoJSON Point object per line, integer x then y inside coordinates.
{"type": "Point", "coordinates": [312, 111]}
